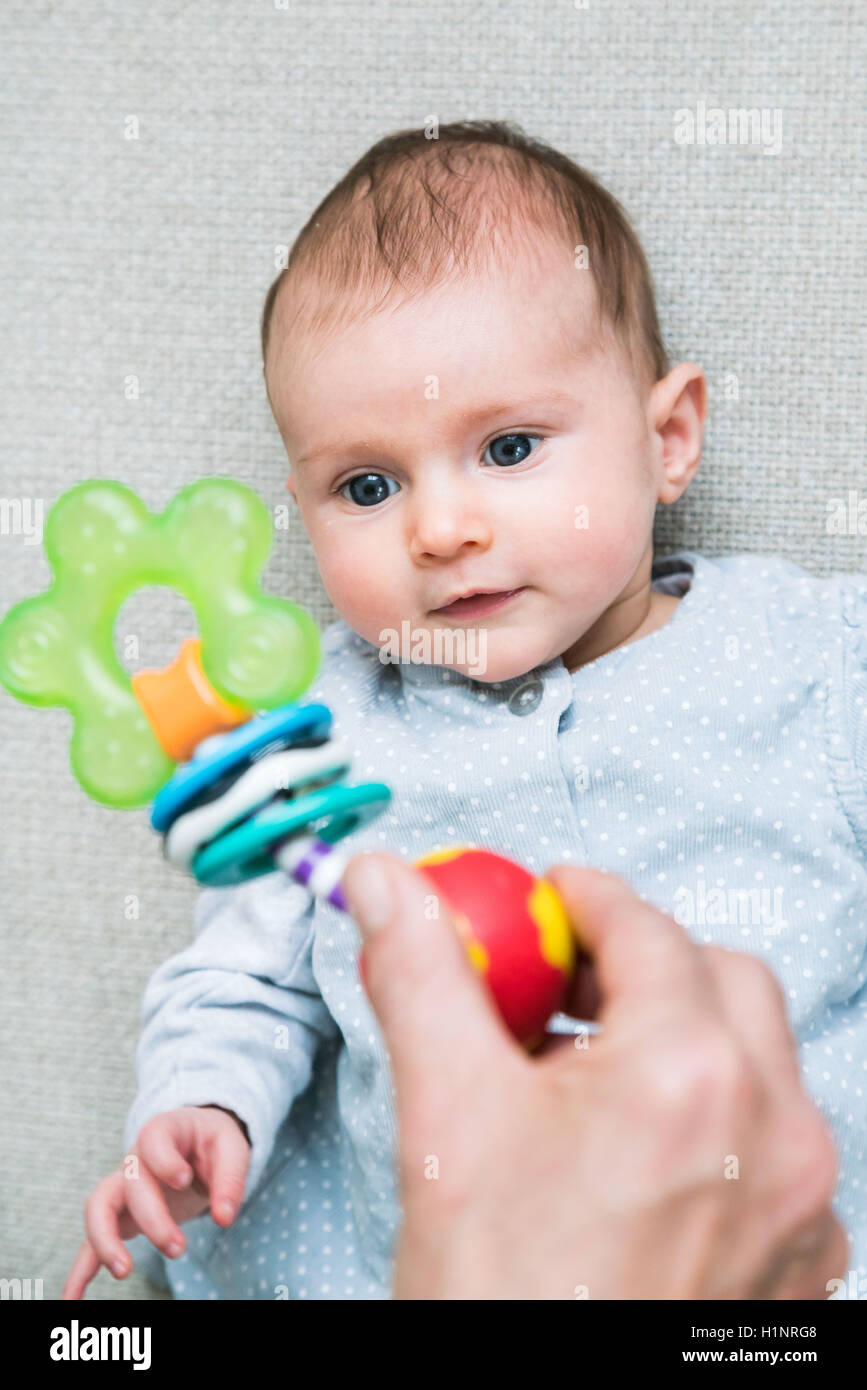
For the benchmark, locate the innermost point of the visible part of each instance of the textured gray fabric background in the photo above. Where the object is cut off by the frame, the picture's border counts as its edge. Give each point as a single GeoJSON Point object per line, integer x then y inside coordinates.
{"type": "Point", "coordinates": [148, 259]}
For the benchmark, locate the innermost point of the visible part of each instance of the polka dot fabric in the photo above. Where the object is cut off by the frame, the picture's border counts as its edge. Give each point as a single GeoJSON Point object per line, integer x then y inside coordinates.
{"type": "Point", "coordinates": [718, 764]}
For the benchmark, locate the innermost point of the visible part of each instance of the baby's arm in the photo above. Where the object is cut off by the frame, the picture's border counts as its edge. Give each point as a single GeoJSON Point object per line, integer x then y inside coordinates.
{"type": "Point", "coordinates": [234, 1020]}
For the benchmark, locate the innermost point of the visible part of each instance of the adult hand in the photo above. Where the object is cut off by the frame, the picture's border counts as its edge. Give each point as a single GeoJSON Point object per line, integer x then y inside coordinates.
{"type": "Point", "coordinates": [675, 1155]}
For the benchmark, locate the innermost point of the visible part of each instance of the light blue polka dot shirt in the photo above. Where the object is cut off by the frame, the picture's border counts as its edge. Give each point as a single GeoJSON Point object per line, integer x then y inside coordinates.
{"type": "Point", "coordinates": [719, 765]}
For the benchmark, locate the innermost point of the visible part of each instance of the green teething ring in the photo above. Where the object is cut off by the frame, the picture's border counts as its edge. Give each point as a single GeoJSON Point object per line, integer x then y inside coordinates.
{"type": "Point", "coordinates": [102, 543]}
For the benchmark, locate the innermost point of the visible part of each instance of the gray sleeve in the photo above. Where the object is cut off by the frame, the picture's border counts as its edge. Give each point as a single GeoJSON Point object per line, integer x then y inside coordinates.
{"type": "Point", "coordinates": [235, 1018]}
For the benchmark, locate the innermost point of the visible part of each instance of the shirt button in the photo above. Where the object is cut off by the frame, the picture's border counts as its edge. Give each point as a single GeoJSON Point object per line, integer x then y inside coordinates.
{"type": "Point", "coordinates": [527, 697]}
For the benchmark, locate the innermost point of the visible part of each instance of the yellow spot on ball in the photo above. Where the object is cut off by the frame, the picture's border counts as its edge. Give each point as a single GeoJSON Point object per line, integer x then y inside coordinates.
{"type": "Point", "coordinates": [556, 941]}
{"type": "Point", "coordinates": [478, 955]}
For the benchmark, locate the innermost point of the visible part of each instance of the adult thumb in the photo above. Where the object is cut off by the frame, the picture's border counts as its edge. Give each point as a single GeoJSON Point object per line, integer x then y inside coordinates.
{"type": "Point", "coordinates": [437, 1015]}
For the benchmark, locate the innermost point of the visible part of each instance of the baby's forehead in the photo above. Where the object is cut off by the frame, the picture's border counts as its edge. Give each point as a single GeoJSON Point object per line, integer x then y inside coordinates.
{"type": "Point", "coordinates": [540, 299]}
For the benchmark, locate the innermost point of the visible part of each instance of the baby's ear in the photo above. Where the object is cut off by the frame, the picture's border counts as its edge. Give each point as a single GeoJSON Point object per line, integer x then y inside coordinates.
{"type": "Point", "coordinates": [677, 409]}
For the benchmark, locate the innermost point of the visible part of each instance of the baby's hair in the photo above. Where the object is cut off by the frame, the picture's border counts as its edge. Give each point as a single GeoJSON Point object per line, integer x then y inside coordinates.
{"type": "Point", "coordinates": [417, 209]}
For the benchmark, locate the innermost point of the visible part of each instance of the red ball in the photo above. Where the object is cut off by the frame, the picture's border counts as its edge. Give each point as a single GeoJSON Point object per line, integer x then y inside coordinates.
{"type": "Point", "coordinates": [515, 931]}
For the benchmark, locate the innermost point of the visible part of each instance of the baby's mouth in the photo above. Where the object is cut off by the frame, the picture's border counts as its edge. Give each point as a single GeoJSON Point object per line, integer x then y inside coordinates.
{"type": "Point", "coordinates": [477, 605]}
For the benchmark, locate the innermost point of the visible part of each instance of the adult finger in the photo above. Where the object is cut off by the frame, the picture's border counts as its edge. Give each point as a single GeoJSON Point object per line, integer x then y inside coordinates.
{"type": "Point", "coordinates": [429, 1000]}
{"type": "Point", "coordinates": [645, 963]}
{"type": "Point", "coordinates": [755, 1006]}
{"type": "Point", "coordinates": [806, 1268]}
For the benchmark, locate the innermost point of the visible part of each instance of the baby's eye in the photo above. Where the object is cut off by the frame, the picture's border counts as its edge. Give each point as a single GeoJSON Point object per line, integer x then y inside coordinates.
{"type": "Point", "coordinates": [512, 448]}
{"type": "Point", "coordinates": [367, 489]}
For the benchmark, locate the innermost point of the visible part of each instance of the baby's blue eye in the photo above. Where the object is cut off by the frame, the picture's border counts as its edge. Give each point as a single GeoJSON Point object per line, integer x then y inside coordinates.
{"type": "Point", "coordinates": [367, 489]}
{"type": "Point", "coordinates": [512, 448]}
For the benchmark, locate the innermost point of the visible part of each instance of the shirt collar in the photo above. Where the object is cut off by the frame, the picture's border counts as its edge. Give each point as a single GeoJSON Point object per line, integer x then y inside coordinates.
{"type": "Point", "coordinates": [428, 681]}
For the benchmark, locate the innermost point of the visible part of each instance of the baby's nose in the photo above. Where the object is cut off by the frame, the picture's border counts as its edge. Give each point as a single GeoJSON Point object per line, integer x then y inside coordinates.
{"type": "Point", "coordinates": [442, 527]}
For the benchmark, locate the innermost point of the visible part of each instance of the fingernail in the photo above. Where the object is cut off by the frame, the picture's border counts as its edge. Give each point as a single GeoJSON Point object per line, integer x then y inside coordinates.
{"type": "Point", "coordinates": [118, 1269]}
{"type": "Point", "coordinates": [181, 1179]}
{"type": "Point", "coordinates": [368, 893]}
{"type": "Point", "coordinates": [173, 1249]}
{"type": "Point", "coordinates": [226, 1210]}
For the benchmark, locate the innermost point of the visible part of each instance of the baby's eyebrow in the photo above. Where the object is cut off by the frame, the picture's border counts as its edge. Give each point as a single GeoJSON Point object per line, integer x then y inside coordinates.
{"type": "Point", "coordinates": [516, 406]}
{"type": "Point", "coordinates": [339, 446]}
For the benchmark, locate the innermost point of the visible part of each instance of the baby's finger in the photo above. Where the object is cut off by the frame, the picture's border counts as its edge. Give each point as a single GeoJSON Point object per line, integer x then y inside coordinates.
{"type": "Point", "coordinates": [159, 1148]}
{"type": "Point", "coordinates": [147, 1205]}
{"type": "Point", "coordinates": [106, 1222]}
{"type": "Point", "coordinates": [221, 1162]}
{"type": "Point", "coordinates": [84, 1267]}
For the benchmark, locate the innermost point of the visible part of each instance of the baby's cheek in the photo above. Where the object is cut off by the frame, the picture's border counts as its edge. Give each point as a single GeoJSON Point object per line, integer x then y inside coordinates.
{"type": "Point", "coordinates": [361, 582]}
{"type": "Point", "coordinates": [619, 513]}
{"type": "Point", "coordinates": [597, 543]}
{"type": "Point", "coordinates": [576, 523]}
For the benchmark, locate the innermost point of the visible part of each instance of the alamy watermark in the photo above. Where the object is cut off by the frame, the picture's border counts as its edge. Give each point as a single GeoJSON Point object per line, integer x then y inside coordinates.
{"type": "Point", "coordinates": [847, 516]}
{"type": "Point", "coordinates": [20, 1288]}
{"type": "Point", "coordinates": [22, 516]}
{"type": "Point", "coordinates": [851, 1287]}
{"type": "Point", "coordinates": [737, 125]}
{"type": "Point", "coordinates": [443, 647]}
{"type": "Point", "coordinates": [746, 907]}
{"type": "Point", "coordinates": [77, 1343]}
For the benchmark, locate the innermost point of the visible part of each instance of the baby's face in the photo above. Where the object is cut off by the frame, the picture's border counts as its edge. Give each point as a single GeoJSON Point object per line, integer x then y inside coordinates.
{"type": "Point", "coordinates": [497, 442]}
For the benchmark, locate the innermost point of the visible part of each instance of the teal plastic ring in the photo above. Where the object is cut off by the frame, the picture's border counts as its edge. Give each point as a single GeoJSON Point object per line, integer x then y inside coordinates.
{"type": "Point", "coordinates": [247, 851]}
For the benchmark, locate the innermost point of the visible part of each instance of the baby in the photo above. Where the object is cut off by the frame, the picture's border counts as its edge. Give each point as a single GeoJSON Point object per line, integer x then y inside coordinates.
{"type": "Point", "coordinates": [464, 362]}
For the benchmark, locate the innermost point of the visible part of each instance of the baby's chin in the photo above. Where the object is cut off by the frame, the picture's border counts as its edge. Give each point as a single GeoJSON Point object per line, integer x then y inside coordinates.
{"type": "Point", "coordinates": [499, 667]}
{"type": "Point", "coordinates": [487, 653]}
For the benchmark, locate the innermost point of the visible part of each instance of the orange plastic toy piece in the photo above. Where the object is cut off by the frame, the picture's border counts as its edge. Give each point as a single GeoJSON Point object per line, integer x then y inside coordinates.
{"type": "Point", "coordinates": [181, 704]}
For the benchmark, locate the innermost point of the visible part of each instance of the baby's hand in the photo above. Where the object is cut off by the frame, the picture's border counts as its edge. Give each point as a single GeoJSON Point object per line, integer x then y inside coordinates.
{"type": "Point", "coordinates": [188, 1159]}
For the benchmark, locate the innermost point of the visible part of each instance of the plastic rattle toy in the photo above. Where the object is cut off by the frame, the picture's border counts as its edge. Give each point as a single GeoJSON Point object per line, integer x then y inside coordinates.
{"type": "Point", "coordinates": [245, 780]}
